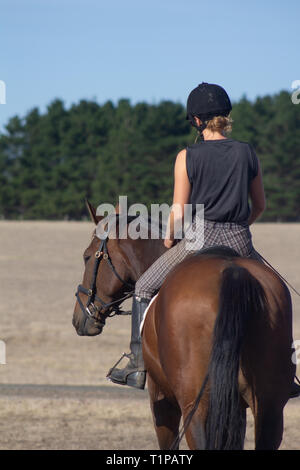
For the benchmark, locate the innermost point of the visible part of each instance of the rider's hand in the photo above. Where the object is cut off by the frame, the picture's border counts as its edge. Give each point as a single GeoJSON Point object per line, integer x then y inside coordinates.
{"type": "Point", "coordinates": [168, 243]}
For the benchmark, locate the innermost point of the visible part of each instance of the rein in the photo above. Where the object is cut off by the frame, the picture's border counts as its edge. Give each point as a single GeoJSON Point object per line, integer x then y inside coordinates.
{"type": "Point", "coordinates": [281, 277]}
{"type": "Point", "coordinates": [107, 309]}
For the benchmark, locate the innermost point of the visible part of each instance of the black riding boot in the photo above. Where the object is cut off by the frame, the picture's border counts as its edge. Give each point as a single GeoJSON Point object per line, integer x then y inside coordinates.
{"type": "Point", "coordinates": [134, 374]}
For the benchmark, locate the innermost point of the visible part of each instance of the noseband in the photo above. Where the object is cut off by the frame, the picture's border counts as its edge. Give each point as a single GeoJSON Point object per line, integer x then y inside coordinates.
{"type": "Point", "coordinates": [99, 313]}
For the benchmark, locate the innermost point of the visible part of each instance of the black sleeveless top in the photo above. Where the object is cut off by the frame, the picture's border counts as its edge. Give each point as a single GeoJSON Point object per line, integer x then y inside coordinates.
{"type": "Point", "coordinates": [220, 172]}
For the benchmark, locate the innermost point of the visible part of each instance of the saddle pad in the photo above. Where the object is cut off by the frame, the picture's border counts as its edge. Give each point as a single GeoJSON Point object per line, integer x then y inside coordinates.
{"type": "Point", "coordinates": [145, 313]}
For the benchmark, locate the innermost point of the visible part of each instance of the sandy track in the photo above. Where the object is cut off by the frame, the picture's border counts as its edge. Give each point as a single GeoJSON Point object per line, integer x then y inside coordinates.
{"type": "Point", "coordinates": [53, 391]}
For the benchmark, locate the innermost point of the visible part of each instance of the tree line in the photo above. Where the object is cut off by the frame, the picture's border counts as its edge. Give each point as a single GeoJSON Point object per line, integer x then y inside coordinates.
{"type": "Point", "coordinates": [51, 162]}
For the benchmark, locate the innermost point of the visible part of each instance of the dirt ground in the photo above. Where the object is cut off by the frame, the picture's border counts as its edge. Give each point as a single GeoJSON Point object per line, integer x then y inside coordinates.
{"type": "Point", "coordinates": [53, 390]}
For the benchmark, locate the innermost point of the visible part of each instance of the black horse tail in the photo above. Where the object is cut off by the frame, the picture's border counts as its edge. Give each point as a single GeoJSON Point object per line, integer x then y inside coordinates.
{"type": "Point", "coordinates": [241, 296]}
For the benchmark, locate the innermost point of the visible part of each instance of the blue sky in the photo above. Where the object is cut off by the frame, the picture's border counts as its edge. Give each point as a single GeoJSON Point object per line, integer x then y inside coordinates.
{"type": "Point", "coordinates": [143, 50]}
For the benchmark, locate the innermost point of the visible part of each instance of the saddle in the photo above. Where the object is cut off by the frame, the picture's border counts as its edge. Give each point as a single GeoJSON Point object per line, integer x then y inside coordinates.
{"type": "Point", "coordinates": [218, 250]}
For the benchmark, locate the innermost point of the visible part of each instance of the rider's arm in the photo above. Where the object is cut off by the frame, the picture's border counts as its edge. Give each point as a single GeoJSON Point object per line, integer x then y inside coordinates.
{"type": "Point", "coordinates": [181, 195]}
{"type": "Point", "coordinates": [257, 197]}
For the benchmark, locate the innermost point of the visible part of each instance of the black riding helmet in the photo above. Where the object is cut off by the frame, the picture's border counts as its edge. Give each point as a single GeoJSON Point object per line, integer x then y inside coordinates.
{"type": "Point", "coordinates": [205, 102]}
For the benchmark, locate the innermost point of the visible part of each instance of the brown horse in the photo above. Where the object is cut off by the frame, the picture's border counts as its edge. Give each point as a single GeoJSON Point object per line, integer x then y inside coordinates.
{"type": "Point", "coordinates": [220, 323]}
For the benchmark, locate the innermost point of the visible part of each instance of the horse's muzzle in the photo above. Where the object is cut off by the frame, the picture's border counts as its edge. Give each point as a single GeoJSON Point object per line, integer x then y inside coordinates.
{"type": "Point", "coordinates": [85, 326]}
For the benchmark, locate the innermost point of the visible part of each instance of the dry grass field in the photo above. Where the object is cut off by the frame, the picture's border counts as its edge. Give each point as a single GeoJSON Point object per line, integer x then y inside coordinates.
{"type": "Point", "coordinates": [53, 390]}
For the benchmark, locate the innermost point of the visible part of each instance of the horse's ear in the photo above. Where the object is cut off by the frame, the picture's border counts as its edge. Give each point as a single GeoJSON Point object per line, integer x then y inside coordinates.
{"type": "Point", "coordinates": [92, 212]}
{"type": "Point", "coordinates": [117, 209]}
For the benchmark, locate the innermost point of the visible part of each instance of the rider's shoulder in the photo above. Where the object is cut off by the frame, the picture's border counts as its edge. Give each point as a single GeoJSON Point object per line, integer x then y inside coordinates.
{"type": "Point", "coordinates": [242, 142]}
{"type": "Point", "coordinates": [229, 140]}
{"type": "Point", "coordinates": [181, 155]}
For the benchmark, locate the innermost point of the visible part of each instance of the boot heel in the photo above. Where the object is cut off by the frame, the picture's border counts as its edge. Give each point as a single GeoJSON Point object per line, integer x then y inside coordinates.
{"type": "Point", "coordinates": [137, 380]}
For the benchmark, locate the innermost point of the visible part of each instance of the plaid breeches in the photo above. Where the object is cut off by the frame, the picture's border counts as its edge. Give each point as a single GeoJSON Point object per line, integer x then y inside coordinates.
{"type": "Point", "coordinates": [230, 234]}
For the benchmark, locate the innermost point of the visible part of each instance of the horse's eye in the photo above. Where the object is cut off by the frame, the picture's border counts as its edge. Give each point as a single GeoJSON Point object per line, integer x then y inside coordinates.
{"type": "Point", "coordinates": [86, 258]}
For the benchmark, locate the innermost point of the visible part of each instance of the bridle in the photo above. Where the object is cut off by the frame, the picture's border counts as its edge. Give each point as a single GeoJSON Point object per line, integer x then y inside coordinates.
{"type": "Point", "coordinates": [99, 313]}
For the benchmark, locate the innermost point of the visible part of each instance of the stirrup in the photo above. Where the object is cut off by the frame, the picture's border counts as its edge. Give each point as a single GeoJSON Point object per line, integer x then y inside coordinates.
{"type": "Point", "coordinates": [128, 355]}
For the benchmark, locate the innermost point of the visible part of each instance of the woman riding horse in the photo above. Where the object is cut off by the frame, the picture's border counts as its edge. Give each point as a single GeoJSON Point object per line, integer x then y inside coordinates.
{"type": "Point", "coordinates": [219, 172]}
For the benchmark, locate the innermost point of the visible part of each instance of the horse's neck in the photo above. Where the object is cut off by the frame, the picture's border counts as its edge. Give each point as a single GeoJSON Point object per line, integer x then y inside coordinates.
{"type": "Point", "coordinates": [146, 253]}
{"type": "Point", "coordinates": [156, 249]}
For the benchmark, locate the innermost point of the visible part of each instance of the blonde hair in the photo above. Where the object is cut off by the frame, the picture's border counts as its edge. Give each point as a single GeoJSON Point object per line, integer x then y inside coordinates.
{"type": "Point", "coordinates": [222, 124]}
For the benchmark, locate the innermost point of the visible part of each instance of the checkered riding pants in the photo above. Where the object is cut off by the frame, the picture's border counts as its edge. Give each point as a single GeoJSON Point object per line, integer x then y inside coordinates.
{"type": "Point", "coordinates": [230, 234]}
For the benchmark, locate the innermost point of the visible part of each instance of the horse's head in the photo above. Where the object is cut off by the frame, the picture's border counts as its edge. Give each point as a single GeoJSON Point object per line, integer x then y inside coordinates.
{"type": "Point", "coordinates": [107, 281]}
